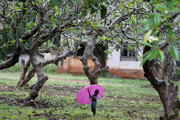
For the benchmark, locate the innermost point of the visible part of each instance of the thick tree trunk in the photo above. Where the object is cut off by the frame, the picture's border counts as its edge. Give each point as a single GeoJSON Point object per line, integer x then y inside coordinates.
{"type": "Point", "coordinates": [99, 52]}
{"type": "Point", "coordinates": [160, 75]}
{"type": "Point", "coordinates": [38, 67]}
{"type": "Point", "coordinates": [25, 67]}
{"type": "Point", "coordinates": [93, 79]}
{"type": "Point", "coordinates": [169, 99]}
{"type": "Point", "coordinates": [88, 53]}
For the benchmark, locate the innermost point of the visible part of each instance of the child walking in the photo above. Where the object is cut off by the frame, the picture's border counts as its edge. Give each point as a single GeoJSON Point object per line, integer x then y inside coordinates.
{"type": "Point", "coordinates": [94, 101]}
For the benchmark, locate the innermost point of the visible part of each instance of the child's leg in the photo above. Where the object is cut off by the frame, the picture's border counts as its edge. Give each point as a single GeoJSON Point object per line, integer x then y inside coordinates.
{"type": "Point", "coordinates": [93, 109]}
{"type": "Point", "coordinates": [94, 112]}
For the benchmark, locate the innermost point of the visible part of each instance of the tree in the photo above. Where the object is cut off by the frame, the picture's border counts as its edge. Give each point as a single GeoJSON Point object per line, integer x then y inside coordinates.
{"type": "Point", "coordinates": [160, 53]}
{"type": "Point", "coordinates": [29, 25]}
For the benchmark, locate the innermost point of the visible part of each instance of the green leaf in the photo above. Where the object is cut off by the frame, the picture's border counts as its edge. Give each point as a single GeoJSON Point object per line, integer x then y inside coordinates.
{"type": "Point", "coordinates": [145, 57]}
{"type": "Point", "coordinates": [30, 25]}
{"type": "Point", "coordinates": [103, 11]}
{"type": "Point", "coordinates": [53, 19]}
{"type": "Point", "coordinates": [145, 43]}
{"type": "Point", "coordinates": [84, 13]}
{"type": "Point", "coordinates": [148, 23]}
{"type": "Point", "coordinates": [139, 1]}
{"type": "Point", "coordinates": [160, 55]}
{"type": "Point", "coordinates": [169, 4]}
{"type": "Point", "coordinates": [130, 4]}
{"type": "Point", "coordinates": [108, 51]}
{"type": "Point", "coordinates": [118, 26]}
{"type": "Point", "coordinates": [133, 18]}
{"type": "Point", "coordinates": [157, 19]}
{"type": "Point", "coordinates": [121, 6]}
{"type": "Point", "coordinates": [162, 7]}
{"type": "Point", "coordinates": [94, 25]}
{"type": "Point", "coordinates": [174, 52]}
{"type": "Point", "coordinates": [54, 2]}
{"type": "Point", "coordinates": [153, 54]}
{"type": "Point", "coordinates": [147, 35]}
{"type": "Point", "coordinates": [170, 32]}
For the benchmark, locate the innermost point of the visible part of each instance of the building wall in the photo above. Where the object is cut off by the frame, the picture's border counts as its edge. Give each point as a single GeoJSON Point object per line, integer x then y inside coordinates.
{"type": "Point", "coordinates": [114, 59]}
{"type": "Point", "coordinates": [115, 62]}
{"type": "Point", "coordinates": [46, 56]}
{"type": "Point", "coordinates": [73, 65]}
{"type": "Point", "coordinates": [124, 69]}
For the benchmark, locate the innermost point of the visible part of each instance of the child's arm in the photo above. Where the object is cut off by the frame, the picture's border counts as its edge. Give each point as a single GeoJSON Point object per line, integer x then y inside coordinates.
{"type": "Point", "coordinates": [92, 97]}
{"type": "Point", "coordinates": [89, 93]}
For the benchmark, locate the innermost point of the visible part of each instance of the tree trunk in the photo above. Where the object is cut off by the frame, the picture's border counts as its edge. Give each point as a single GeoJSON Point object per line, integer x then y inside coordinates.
{"type": "Point", "coordinates": [99, 52]}
{"type": "Point", "coordinates": [27, 78]}
{"type": "Point", "coordinates": [88, 53]}
{"type": "Point", "coordinates": [168, 95]}
{"type": "Point", "coordinates": [25, 67]}
{"type": "Point", "coordinates": [38, 67]}
{"type": "Point", "coordinates": [160, 75]}
{"type": "Point", "coordinates": [91, 76]}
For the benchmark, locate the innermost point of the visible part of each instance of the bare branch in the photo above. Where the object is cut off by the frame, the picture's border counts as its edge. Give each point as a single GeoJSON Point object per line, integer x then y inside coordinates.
{"type": "Point", "coordinates": [28, 77]}
{"type": "Point", "coordinates": [21, 14]}
{"type": "Point", "coordinates": [57, 58]}
{"type": "Point", "coordinates": [11, 61]}
{"type": "Point", "coordinates": [55, 31]}
{"type": "Point", "coordinates": [120, 19]}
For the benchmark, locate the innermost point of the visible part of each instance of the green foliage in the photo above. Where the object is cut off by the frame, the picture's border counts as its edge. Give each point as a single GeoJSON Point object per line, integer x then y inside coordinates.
{"type": "Point", "coordinates": [174, 52]}
{"type": "Point", "coordinates": [54, 2]}
{"type": "Point", "coordinates": [95, 6]}
{"type": "Point", "coordinates": [30, 25]}
{"type": "Point", "coordinates": [160, 55]}
{"type": "Point", "coordinates": [156, 33]}
{"type": "Point", "coordinates": [7, 43]}
{"type": "Point", "coordinates": [103, 11]}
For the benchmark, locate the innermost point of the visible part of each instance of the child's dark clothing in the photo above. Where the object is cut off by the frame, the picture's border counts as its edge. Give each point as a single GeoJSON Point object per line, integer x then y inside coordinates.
{"type": "Point", "coordinates": [94, 104]}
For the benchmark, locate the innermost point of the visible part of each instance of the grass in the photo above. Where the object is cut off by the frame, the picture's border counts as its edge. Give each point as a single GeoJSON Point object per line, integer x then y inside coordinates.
{"type": "Point", "coordinates": [52, 68]}
{"type": "Point", "coordinates": [124, 99]}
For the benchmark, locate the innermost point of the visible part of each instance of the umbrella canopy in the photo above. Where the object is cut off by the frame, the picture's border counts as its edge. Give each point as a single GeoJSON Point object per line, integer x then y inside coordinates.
{"type": "Point", "coordinates": [83, 95]}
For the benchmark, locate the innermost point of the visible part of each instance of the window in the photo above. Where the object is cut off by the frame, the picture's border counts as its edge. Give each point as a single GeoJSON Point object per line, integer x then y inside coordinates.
{"type": "Point", "coordinates": [128, 52]}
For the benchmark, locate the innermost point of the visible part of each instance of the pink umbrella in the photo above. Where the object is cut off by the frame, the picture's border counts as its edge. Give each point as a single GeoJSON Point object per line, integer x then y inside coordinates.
{"type": "Point", "coordinates": [83, 95]}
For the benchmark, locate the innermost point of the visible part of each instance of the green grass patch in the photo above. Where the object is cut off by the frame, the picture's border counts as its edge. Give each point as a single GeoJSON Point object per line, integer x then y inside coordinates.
{"type": "Point", "coordinates": [52, 68]}
{"type": "Point", "coordinates": [124, 99]}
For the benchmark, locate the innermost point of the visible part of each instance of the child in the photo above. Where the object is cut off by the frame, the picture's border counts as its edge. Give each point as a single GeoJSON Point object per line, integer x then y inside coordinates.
{"type": "Point", "coordinates": [94, 101]}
